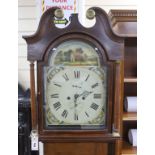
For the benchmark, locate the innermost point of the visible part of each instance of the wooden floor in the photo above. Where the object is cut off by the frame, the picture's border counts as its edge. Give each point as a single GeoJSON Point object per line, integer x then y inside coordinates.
{"type": "Point", "coordinates": [128, 149]}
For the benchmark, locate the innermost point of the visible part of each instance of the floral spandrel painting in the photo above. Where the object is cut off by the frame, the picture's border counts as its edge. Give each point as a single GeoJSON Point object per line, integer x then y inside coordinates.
{"type": "Point", "coordinates": [75, 53]}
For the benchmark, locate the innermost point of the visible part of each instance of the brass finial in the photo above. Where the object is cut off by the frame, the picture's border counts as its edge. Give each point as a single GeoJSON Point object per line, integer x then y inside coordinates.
{"type": "Point", "coordinates": [59, 13]}
{"type": "Point", "coordinates": [90, 14]}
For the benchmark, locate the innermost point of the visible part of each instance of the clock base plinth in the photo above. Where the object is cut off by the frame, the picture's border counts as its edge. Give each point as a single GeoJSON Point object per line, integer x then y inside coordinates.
{"type": "Point", "coordinates": [75, 149]}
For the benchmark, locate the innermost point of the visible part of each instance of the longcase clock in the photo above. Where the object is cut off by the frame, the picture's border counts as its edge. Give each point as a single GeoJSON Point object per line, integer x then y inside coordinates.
{"type": "Point", "coordinates": [78, 106]}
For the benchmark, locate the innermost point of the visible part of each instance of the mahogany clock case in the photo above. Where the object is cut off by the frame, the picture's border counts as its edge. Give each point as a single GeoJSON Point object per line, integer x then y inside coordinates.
{"type": "Point", "coordinates": [104, 63]}
{"type": "Point", "coordinates": [110, 50]}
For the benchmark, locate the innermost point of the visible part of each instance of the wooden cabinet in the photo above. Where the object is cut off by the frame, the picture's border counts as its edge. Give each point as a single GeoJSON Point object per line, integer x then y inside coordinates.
{"type": "Point", "coordinates": [59, 135]}
{"type": "Point", "coordinates": [124, 23]}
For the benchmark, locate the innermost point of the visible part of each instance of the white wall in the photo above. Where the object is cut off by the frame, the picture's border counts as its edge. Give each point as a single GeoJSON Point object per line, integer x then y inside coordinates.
{"type": "Point", "coordinates": [27, 19]}
{"type": "Point", "coordinates": [27, 24]}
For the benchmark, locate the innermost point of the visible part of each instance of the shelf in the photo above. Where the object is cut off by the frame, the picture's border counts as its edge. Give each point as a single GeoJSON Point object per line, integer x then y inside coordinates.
{"type": "Point", "coordinates": [129, 116]}
{"type": "Point", "coordinates": [128, 149]}
{"type": "Point", "coordinates": [130, 80]}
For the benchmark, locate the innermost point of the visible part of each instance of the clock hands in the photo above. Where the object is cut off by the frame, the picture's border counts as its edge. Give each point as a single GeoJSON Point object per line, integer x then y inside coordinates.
{"type": "Point", "coordinates": [87, 94]}
{"type": "Point", "coordinates": [75, 99]}
{"type": "Point", "coordinates": [76, 96]}
{"type": "Point", "coordinates": [84, 94]}
{"type": "Point", "coordinates": [75, 105]}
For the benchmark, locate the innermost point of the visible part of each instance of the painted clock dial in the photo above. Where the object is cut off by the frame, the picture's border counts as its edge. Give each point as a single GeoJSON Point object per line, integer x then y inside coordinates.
{"type": "Point", "coordinates": [75, 86]}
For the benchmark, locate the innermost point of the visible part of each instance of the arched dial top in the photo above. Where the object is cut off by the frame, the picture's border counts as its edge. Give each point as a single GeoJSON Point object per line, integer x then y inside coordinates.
{"type": "Point", "coordinates": [75, 86]}
{"type": "Point", "coordinates": [74, 53]}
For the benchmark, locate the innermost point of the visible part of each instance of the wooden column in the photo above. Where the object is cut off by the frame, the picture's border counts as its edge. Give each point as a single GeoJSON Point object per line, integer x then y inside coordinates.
{"type": "Point", "coordinates": [33, 98]}
{"type": "Point", "coordinates": [119, 74]}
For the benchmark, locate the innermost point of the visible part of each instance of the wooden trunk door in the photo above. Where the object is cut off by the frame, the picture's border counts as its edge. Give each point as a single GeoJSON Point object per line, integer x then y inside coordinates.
{"type": "Point", "coordinates": [75, 149]}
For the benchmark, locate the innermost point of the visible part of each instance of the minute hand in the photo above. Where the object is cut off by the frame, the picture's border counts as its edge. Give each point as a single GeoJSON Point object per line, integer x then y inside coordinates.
{"type": "Point", "coordinates": [84, 94]}
{"type": "Point", "coordinates": [76, 96]}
